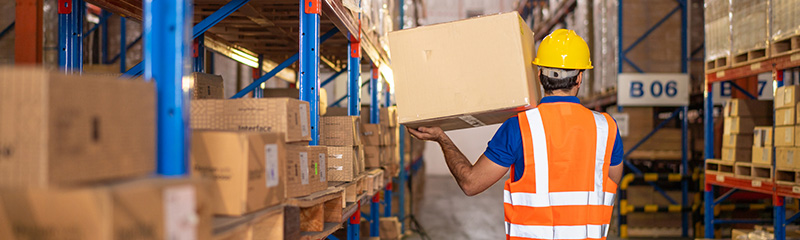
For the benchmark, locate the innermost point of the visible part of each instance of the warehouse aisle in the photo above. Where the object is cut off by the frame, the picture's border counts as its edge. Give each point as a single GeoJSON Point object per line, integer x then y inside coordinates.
{"type": "Point", "coordinates": [448, 214]}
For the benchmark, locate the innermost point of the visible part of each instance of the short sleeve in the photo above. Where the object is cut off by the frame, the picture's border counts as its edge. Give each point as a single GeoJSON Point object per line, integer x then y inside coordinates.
{"type": "Point", "coordinates": [618, 151]}
{"type": "Point", "coordinates": [506, 146]}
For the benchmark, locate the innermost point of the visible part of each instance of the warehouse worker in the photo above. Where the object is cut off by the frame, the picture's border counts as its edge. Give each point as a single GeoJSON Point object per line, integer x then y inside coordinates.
{"type": "Point", "coordinates": [564, 158]}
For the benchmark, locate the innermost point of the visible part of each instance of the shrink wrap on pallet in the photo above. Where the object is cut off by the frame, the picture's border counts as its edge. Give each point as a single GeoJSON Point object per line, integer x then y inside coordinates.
{"type": "Point", "coordinates": [718, 29]}
{"type": "Point", "coordinates": [749, 25]}
{"type": "Point", "coordinates": [785, 18]}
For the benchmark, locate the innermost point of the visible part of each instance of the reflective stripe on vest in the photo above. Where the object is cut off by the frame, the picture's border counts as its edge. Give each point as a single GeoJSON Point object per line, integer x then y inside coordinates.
{"type": "Point", "coordinates": [533, 211]}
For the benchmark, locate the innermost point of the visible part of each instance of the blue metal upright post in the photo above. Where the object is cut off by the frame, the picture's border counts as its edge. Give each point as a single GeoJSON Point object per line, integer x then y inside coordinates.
{"type": "Point", "coordinates": [685, 171]}
{"type": "Point", "coordinates": [354, 75]}
{"type": "Point", "coordinates": [374, 109]}
{"type": "Point", "coordinates": [123, 44]}
{"type": "Point", "coordinates": [375, 217]}
{"type": "Point", "coordinates": [166, 52]}
{"type": "Point", "coordinates": [401, 181]}
{"type": "Point", "coordinates": [259, 92]}
{"type": "Point", "coordinates": [199, 52]}
{"type": "Point", "coordinates": [309, 62]}
{"type": "Point", "coordinates": [387, 198]}
{"type": "Point", "coordinates": [70, 35]}
{"type": "Point", "coordinates": [708, 140]}
{"type": "Point", "coordinates": [353, 229]}
{"type": "Point", "coordinates": [104, 37]}
{"type": "Point", "coordinates": [779, 215]}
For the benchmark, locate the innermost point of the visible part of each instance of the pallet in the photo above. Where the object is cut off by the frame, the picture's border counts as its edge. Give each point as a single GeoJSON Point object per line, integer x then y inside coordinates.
{"type": "Point", "coordinates": [374, 181]}
{"type": "Point", "coordinates": [719, 167]}
{"type": "Point", "coordinates": [351, 189]}
{"type": "Point", "coordinates": [762, 172]}
{"type": "Point", "coordinates": [743, 170]}
{"type": "Point", "coordinates": [787, 177]}
{"type": "Point", "coordinates": [263, 224]}
{"type": "Point", "coordinates": [319, 208]}
{"type": "Point", "coordinates": [785, 46]}
{"type": "Point", "coordinates": [717, 64]}
{"type": "Point", "coordinates": [750, 56]}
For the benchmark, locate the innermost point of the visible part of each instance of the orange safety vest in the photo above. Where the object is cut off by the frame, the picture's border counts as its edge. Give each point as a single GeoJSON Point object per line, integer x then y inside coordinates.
{"type": "Point", "coordinates": [565, 191]}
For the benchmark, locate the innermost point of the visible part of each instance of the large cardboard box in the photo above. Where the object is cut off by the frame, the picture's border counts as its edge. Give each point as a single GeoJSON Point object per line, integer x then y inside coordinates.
{"type": "Point", "coordinates": [340, 131]}
{"type": "Point", "coordinates": [737, 154]}
{"type": "Point", "coordinates": [372, 156]}
{"type": "Point", "coordinates": [784, 136]}
{"type": "Point", "coordinates": [344, 163]}
{"type": "Point", "coordinates": [388, 116]}
{"type": "Point", "coordinates": [247, 168]}
{"type": "Point", "coordinates": [64, 130]}
{"type": "Point", "coordinates": [786, 96]}
{"type": "Point", "coordinates": [737, 140]}
{"type": "Point", "coordinates": [304, 174]}
{"type": "Point", "coordinates": [294, 93]}
{"type": "Point", "coordinates": [371, 134]}
{"type": "Point", "coordinates": [390, 155]}
{"type": "Point", "coordinates": [207, 86]}
{"type": "Point", "coordinates": [734, 125]}
{"type": "Point", "coordinates": [152, 208]}
{"type": "Point", "coordinates": [747, 108]}
{"type": "Point", "coordinates": [762, 136]}
{"type": "Point", "coordinates": [787, 157]}
{"type": "Point", "coordinates": [762, 155]}
{"type": "Point", "coordinates": [467, 83]}
{"type": "Point", "coordinates": [785, 116]}
{"type": "Point", "coordinates": [270, 115]}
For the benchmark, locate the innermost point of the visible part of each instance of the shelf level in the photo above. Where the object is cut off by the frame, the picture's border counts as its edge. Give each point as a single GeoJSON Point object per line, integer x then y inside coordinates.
{"type": "Point", "coordinates": [767, 65]}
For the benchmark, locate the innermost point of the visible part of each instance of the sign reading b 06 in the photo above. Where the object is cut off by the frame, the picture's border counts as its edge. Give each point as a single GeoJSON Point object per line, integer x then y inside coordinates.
{"type": "Point", "coordinates": [653, 89]}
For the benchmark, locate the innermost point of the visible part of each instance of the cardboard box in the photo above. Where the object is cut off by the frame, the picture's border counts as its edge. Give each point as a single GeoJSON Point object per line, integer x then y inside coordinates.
{"type": "Point", "coordinates": [737, 154]}
{"type": "Point", "coordinates": [60, 130]}
{"type": "Point", "coordinates": [740, 233]}
{"type": "Point", "coordinates": [272, 115]}
{"type": "Point", "coordinates": [785, 116]}
{"type": "Point", "coordinates": [207, 86]}
{"type": "Point", "coordinates": [294, 93]}
{"type": "Point", "coordinates": [390, 155]}
{"type": "Point", "coordinates": [388, 116]}
{"type": "Point", "coordinates": [467, 84]}
{"type": "Point", "coordinates": [152, 208]}
{"type": "Point", "coordinates": [340, 131]}
{"type": "Point", "coordinates": [737, 140]}
{"type": "Point", "coordinates": [762, 155]}
{"type": "Point", "coordinates": [747, 108]}
{"type": "Point", "coordinates": [372, 156]}
{"type": "Point", "coordinates": [734, 125]}
{"type": "Point", "coordinates": [371, 134]}
{"type": "Point", "coordinates": [762, 136]}
{"type": "Point", "coordinates": [784, 136]}
{"type": "Point", "coordinates": [390, 228]}
{"type": "Point", "coordinates": [787, 157]}
{"type": "Point", "coordinates": [344, 163]}
{"type": "Point", "coordinates": [786, 96]}
{"type": "Point", "coordinates": [247, 168]}
{"type": "Point", "coordinates": [303, 173]}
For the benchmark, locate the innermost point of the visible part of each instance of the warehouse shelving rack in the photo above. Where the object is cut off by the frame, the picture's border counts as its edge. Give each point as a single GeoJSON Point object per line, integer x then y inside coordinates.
{"type": "Point", "coordinates": [166, 54]}
{"type": "Point", "coordinates": [776, 65]}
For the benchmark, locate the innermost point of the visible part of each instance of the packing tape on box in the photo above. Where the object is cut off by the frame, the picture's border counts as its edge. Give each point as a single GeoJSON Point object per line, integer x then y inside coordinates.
{"type": "Point", "coordinates": [469, 119]}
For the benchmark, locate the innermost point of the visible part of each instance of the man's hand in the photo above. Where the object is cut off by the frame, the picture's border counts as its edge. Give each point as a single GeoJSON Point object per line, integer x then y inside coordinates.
{"type": "Point", "coordinates": [428, 133]}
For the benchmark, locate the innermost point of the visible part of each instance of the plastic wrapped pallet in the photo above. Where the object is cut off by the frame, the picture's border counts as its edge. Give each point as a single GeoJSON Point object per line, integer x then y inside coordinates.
{"type": "Point", "coordinates": [718, 29]}
{"type": "Point", "coordinates": [749, 25]}
{"type": "Point", "coordinates": [604, 52]}
{"type": "Point", "coordinates": [785, 21]}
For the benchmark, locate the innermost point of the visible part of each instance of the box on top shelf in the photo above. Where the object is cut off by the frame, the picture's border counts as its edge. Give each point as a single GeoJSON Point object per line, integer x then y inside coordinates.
{"type": "Point", "coordinates": [151, 208]}
{"type": "Point", "coordinates": [270, 115]}
{"type": "Point", "coordinates": [58, 129]}
{"type": "Point", "coordinates": [248, 169]}
{"type": "Point", "coordinates": [306, 169]}
{"type": "Point", "coordinates": [734, 125]}
{"type": "Point", "coordinates": [344, 162]}
{"type": "Point", "coordinates": [466, 83]}
{"type": "Point", "coordinates": [786, 96]}
{"type": "Point", "coordinates": [747, 108]}
{"type": "Point", "coordinates": [737, 154]}
{"type": "Point", "coordinates": [785, 25]}
{"type": "Point", "coordinates": [737, 140]}
{"type": "Point", "coordinates": [340, 131]}
{"type": "Point", "coordinates": [718, 29]}
{"type": "Point", "coordinates": [762, 155]}
{"type": "Point", "coordinates": [785, 116]}
{"type": "Point", "coordinates": [750, 28]}
{"type": "Point", "coordinates": [294, 93]}
{"type": "Point", "coordinates": [371, 134]}
{"type": "Point", "coordinates": [784, 136]}
{"type": "Point", "coordinates": [762, 136]}
{"type": "Point", "coordinates": [207, 86]}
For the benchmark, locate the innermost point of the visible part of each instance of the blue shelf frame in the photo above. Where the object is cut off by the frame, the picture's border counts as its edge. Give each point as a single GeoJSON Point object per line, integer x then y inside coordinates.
{"type": "Point", "coordinates": [170, 37]}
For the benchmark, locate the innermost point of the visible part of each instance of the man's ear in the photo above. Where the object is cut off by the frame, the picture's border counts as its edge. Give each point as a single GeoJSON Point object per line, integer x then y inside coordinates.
{"type": "Point", "coordinates": [580, 78]}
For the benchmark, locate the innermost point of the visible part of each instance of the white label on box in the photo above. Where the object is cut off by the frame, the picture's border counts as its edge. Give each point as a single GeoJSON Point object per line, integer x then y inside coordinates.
{"type": "Point", "coordinates": [271, 158]}
{"type": "Point", "coordinates": [304, 168]}
{"type": "Point", "coordinates": [788, 134]}
{"type": "Point", "coordinates": [796, 189]}
{"type": "Point", "coordinates": [790, 157]}
{"type": "Point", "coordinates": [765, 156]}
{"type": "Point", "coordinates": [303, 120]}
{"type": "Point", "coordinates": [653, 89]}
{"type": "Point", "coordinates": [322, 167]}
{"type": "Point", "coordinates": [337, 156]}
{"type": "Point", "coordinates": [179, 213]}
{"type": "Point", "coordinates": [788, 118]}
{"type": "Point", "coordinates": [755, 183]}
{"type": "Point", "coordinates": [622, 123]}
{"type": "Point", "coordinates": [469, 119]}
{"type": "Point", "coordinates": [720, 178]}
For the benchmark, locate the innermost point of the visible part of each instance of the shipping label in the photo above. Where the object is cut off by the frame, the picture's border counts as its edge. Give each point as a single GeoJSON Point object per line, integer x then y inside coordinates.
{"type": "Point", "coordinates": [304, 168]}
{"type": "Point", "coordinates": [179, 213]}
{"type": "Point", "coordinates": [322, 167]}
{"type": "Point", "coordinates": [303, 120]}
{"type": "Point", "coordinates": [271, 158]}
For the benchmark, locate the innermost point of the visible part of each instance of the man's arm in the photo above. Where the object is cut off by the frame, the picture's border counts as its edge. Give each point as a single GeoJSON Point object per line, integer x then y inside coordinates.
{"type": "Point", "coordinates": [615, 173]}
{"type": "Point", "coordinates": [472, 179]}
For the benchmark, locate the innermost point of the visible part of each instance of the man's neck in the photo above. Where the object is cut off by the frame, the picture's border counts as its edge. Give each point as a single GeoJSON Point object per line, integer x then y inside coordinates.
{"type": "Point", "coordinates": [560, 94]}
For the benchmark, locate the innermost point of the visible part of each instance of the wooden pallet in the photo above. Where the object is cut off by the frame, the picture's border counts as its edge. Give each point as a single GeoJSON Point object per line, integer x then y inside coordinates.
{"type": "Point", "coordinates": [351, 189]}
{"type": "Point", "coordinates": [717, 64]}
{"type": "Point", "coordinates": [750, 56]}
{"type": "Point", "coordinates": [785, 46]}
{"type": "Point", "coordinates": [762, 172]}
{"type": "Point", "coordinates": [319, 208]}
{"type": "Point", "coordinates": [374, 181]}
{"type": "Point", "coordinates": [788, 177]}
{"type": "Point", "coordinates": [743, 170]}
{"type": "Point", "coordinates": [719, 167]}
{"type": "Point", "coordinates": [263, 224]}
{"type": "Point", "coordinates": [656, 155]}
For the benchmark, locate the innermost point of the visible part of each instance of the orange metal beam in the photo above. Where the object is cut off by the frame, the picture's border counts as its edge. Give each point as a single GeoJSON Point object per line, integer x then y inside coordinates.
{"type": "Point", "coordinates": [28, 32]}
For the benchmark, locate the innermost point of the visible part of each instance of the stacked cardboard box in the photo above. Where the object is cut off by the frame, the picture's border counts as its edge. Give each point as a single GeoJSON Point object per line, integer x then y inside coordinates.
{"type": "Point", "coordinates": [786, 150]}
{"type": "Point", "coordinates": [341, 134]}
{"type": "Point", "coordinates": [207, 86]}
{"type": "Point", "coordinates": [75, 153]}
{"type": "Point", "coordinates": [762, 145]}
{"type": "Point", "coordinates": [741, 117]}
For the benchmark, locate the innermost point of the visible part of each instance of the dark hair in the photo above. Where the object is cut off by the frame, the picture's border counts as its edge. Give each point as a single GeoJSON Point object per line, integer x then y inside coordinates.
{"type": "Point", "coordinates": [553, 84]}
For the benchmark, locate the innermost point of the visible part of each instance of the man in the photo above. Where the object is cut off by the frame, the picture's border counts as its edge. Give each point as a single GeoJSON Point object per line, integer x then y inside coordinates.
{"type": "Point", "coordinates": [564, 158]}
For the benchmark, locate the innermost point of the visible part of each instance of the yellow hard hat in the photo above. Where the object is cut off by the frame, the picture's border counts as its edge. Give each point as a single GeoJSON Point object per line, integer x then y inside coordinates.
{"type": "Point", "coordinates": [563, 49]}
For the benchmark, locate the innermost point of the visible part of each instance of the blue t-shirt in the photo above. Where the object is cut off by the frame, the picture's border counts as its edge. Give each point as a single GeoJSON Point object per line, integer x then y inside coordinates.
{"type": "Point", "coordinates": [506, 149]}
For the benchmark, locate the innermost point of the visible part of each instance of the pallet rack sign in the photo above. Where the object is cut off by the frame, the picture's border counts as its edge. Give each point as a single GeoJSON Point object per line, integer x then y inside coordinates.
{"type": "Point", "coordinates": [653, 89]}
